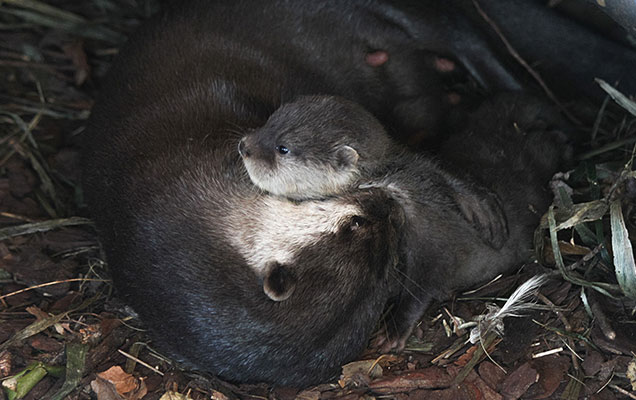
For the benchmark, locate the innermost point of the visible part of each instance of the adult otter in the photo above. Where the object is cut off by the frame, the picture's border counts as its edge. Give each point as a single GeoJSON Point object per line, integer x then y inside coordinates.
{"type": "Point", "coordinates": [222, 286]}
{"type": "Point", "coordinates": [333, 47]}
{"type": "Point", "coordinates": [320, 146]}
{"type": "Point", "coordinates": [230, 281]}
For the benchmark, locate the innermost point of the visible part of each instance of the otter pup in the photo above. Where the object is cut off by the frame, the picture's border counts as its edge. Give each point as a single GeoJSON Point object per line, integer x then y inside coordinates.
{"type": "Point", "coordinates": [320, 146]}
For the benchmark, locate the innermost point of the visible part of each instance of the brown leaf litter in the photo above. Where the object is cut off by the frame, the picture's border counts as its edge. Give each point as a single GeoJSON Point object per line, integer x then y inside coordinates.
{"type": "Point", "coordinates": [57, 308]}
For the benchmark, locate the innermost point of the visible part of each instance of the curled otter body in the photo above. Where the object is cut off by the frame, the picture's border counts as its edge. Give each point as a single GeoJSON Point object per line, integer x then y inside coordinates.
{"type": "Point", "coordinates": [228, 280]}
{"type": "Point", "coordinates": [183, 89]}
{"type": "Point", "coordinates": [331, 146]}
{"type": "Point", "coordinates": [251, 287]}
{"type": "Point", "coordinates": [183, 229]}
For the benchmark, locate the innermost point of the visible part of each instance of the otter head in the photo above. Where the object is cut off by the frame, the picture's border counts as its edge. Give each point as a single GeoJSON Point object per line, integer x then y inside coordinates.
{"type": "Point", "coordinates": [348, 248]}
{"type": "Point", "coordinates": [314, 147]}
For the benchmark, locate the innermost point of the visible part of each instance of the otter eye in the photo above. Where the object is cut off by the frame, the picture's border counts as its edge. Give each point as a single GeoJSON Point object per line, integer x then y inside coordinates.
{"type": "Point", "coordinates": [282, 149]}
{"type": "Point", "coordinates": [357, 222]}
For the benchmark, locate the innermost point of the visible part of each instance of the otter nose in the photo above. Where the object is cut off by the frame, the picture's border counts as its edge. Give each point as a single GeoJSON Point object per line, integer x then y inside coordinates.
{"type": "Point", "coordinates": [242, 149]}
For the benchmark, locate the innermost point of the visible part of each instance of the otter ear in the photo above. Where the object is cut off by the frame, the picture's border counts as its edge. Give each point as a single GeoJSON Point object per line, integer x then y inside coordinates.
{"type": "Point", "coordinates": [347, 156]}
{"type": "Point", "coordinates": [279, 282]}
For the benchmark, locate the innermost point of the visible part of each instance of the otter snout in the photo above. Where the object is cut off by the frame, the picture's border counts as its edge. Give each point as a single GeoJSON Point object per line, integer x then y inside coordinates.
{"type": "Point", "coordinates": [242, 149]}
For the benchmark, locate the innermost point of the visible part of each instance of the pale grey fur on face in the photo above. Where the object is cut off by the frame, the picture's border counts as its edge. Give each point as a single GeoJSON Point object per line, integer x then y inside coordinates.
{"type": "Point", "coordinates": [279, 228]}
{"type": "Point", "coordinates": [301, 179]}
{"type": "Point", "coordinates": [314, 147]}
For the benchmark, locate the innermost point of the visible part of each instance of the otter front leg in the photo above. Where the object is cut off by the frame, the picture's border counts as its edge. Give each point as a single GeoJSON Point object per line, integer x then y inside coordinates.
{"type": "Point", "coordinates": [399, 324]}
{"type": "Point", "coordinates": [482, 208]}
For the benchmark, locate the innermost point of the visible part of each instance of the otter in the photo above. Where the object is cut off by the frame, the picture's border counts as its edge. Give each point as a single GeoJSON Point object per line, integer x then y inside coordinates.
{"type": "Point", "coordinates": [161, 175]}
{"type": "Point", "coordinates": [321, 146]}
{"type": "Point", "coordinates": [230, 281]}
{"type": "Point", "coordinates": [397, 59]}
{"type": "Point", "coordinates": [251, 287]}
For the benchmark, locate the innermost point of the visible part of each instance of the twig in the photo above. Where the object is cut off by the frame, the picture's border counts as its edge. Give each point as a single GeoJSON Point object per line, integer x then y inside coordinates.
{"type": "Point", "coordinates": [623, 391]}
{"type": "Point", "coordinates": [566, 324]}
{"type": "Point", "coordinates": [523, 63]}
{"type": "Point", "coordinates": [548, 352]}
{"type": "Point", "coordinates": [16, 216]}
{"type": "Point", "coordinates": [4, 296]}
{"type": "Point", "coordinates": [145, 364]}
{"type": "Point", "coordinates": [599, 118]}
{"type": "Point", "coordinates": [606, 384]}
{"type": "Point", "coordinates": [43, 226]}
{"type": "Point", "coordinates": [555, 310]}
{"type": "Point", "coordinates": [601, 318]}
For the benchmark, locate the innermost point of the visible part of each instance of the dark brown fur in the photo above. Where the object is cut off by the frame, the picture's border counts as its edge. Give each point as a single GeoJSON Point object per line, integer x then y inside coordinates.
{"type": "Point", "coordinates": [165, 235]}
{"type": "Point", "coordinates": [161, 141]}
{"type": "Point", "coordinates": [447, 217]}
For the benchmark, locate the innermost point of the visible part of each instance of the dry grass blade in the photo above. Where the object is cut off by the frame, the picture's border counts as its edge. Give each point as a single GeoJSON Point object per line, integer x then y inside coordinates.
{"type": "Point", "coordinates": [44, 226]}
{"type": "Point", "coordinates": [571, 277]}
{"type": "Point", "coordinates": [618, 97]}
{"type": "Point", "coordinates": [45, 323]}
{"type": "Point", "coordinates": [577, 214]}
{"type": "Point", "coordinates": [75, 365]}
{"type": "Point", "coordinates": [623, 252]}
{"type": "Point", "coordinates": [607, 148]}
{"type": "Point", "coordinates": [33, 329]}
{"type": "Point", "coordinates": [4, 296]}
{"type": "Point", "coordinates": [46, 9]}
{"type": "Point", "coordinates": [38, 13]}
{"type": "Point", "coordinates": [42, 170]}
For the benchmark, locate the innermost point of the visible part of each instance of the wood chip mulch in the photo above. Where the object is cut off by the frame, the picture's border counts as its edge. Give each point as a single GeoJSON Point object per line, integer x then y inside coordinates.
{"type": "Point", "coordinates": [65, 335]}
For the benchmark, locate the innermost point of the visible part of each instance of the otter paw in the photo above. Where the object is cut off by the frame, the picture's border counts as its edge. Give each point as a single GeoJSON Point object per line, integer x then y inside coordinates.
{"type": "Point", "coordinates": [484, 211]}
{"type": "Point", "coordinates": [390, 340]}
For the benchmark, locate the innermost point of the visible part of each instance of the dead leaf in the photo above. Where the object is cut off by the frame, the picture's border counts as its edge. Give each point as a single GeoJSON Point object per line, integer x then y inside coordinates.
{"type": "Point", "coordinates": [592, 362]}
{"type": "Point", "coordinates": [551, 371]}
{"type": "Point", "coordinates": [174, 396]}
{"type": "Point", "coordinates": [105, 390]}
{"type": "Point", "coordinates": [566, 248]}
{"type": "Point", "coordinates": [631, 373]}
{"type": "Point", "coordinates": [37, 313]}
{"type": "Point", "coordinates": [518, 382]}
{"type": "Point", "coordinates": [479, 387]}
{"type": "Point", "coordinates": [216, 395]}
{"type": "Point", "coordinates": [467, 356]}
{"type": "Point", "coordinates": [126, 386]}
{"type": "Point", "coordinates": [46, 344]}
{"type": "Point", "coordinates": [123, 382]}
{"type": "Point", "coordinates": [491, 374]}
{"type": "Point", "coordinates": [359, 373]}
{"type": "Point", "coordinates": [428, 378]}
{"type": "Point", "coordinates": [577, 214]}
